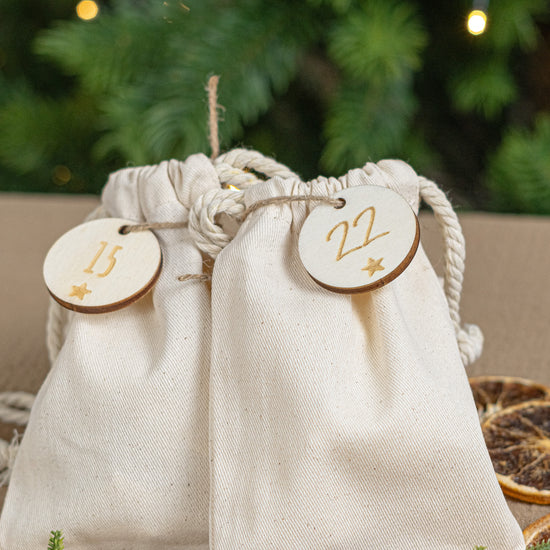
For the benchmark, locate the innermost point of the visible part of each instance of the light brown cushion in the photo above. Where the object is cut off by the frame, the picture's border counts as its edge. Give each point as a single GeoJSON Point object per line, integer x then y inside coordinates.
{"type": "Point", "coordinates": [505, 292]}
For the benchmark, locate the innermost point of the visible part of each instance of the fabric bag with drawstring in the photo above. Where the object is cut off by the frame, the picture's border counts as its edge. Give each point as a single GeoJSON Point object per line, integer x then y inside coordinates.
{"type": "Point", "coordinates": [116, 449]}
{"type": "Point", "coordinates": [344, 422]}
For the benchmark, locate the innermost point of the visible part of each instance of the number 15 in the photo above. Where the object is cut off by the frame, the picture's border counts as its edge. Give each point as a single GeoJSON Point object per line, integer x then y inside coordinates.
{"type": "Point", "coordinates": [110, 257]}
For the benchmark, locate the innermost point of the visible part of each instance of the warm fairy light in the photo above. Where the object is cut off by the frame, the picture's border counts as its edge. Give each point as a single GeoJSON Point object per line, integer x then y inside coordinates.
{"type": "Point", "coordinates": [477, 22]}
{"type": "Point", "coordinates": [87, 10]}
{"type": "Point", "coordinates": [233, 188]}
{"type": "Point", "coordinates": [61, 175]}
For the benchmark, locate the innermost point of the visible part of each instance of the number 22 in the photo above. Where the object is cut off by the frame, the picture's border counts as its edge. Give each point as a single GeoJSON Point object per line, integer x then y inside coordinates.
{"type": "Point", "coordinates": [340, 254]}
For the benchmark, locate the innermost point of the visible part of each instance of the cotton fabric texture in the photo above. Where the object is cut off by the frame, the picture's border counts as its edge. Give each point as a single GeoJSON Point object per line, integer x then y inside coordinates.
{"type": "Point", "coordinates": [341, 421]}
{"type": "Point", "coordinates": [116, 450]}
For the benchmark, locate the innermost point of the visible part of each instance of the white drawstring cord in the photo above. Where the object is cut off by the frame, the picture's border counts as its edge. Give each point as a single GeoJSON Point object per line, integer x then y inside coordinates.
{"type": "Point", "coordinates": [469, 337]}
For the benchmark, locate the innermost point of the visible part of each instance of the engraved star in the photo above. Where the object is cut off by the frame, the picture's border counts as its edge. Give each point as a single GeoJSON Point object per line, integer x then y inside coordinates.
{"type": "Point", "coordinates": [80, 291]}
{"type": "Point", "coordinates": [373, 265]}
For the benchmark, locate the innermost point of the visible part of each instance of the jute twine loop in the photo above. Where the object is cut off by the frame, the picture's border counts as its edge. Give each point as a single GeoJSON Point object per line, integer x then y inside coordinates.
{"type": "Point", "coordinates": [125, 229]}
{"type": "Point", "coordinates": [195, 277]}
{"type": "Point", "coordinates": [238, 167]}
{"type": "Point", "coordinates": [212, 90]}
{"type": "Point", "coordinates": [337, 203]}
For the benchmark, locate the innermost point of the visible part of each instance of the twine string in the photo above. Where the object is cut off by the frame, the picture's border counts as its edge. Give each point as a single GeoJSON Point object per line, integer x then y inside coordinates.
{"type": "Point", "coordinates": [194, 277]}
{"type": "Point", "coordinates": [125, 229]}
{"type": "Point", "coordinates": [287, 199]}
{"type": "Point", "coordinates": [212, 90]}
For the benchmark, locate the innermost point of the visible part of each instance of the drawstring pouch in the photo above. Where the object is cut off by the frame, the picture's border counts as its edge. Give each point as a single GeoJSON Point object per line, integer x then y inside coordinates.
{"type": "Point", "coordinates": [344, 421]}
{"type": "Point", "coordinates": [116, 449]}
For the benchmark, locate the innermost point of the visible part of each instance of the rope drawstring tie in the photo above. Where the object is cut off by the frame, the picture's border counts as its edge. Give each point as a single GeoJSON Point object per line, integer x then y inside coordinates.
{"type": "Point", "coordinates": [469, 337]}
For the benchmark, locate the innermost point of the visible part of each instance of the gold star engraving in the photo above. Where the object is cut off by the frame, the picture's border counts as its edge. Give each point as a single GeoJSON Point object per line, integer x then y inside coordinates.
{"type": "Point", "coordinates": [80, 291]}
{"type": "Point", "coordinates": [373, 265]}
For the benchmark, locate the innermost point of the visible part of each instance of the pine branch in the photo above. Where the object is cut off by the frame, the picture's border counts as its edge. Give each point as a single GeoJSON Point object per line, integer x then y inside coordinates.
{"type": "Point", "coordinates": [518, 173]}
{"type": "Point", "coordinates": [513, 24]}
{"type": "Point", "coordinates": [380, 43]}
{"type": "Point", "coordinates": [339, 6]}
{"type": "Point", "coordinates": [486, 87]}
{"type": "Point", "coordinates": [107, 52]}
{"type": "Point", "coordinates": [367, 124]}
{"type": "Point", "coordinates": [134, 90]}
{"type": "Point", "coordinates": [37, 134]}
{"type": "Point", "coordinates": [152, 95]}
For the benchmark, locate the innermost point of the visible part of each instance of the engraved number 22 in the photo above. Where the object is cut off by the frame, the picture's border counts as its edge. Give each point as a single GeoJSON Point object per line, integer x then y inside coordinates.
{"type": "Point", "coordinates": [110, 257]}
{"type": "Point", "coordinates": [340, 254]}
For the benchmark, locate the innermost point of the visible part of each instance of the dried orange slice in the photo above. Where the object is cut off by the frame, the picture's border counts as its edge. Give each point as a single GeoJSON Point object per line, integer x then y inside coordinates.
{"type": "Point", "coordinates": [494, 393]}
{"type": "Point", "coordinates": [538, 532]}
{"type": "Point", "coordinates": [518, 439]}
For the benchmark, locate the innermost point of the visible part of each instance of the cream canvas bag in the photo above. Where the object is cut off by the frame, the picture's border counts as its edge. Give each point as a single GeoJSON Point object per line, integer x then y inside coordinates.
{"type": "Point", "coordinates": [116, 450]}
{"type": "Point", "coordinates": [344, 422]}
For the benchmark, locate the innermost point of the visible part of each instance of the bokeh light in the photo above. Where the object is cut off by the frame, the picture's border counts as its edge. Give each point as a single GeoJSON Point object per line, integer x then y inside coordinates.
{"type": "Point", "coordinates": [477, 22]}
{"type": "Point", "coordinates": [87, 10]}
{"type": "Point", "coordinates": [61, 175]}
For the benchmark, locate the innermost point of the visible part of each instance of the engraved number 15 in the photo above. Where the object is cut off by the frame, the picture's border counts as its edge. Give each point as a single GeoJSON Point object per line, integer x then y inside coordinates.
{"type": "Point", "coordinates": [110, 257]}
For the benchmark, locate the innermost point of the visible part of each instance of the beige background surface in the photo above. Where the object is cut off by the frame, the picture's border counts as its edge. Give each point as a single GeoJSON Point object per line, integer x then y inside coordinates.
{"type": "Point", "coordinates": [505, 292]}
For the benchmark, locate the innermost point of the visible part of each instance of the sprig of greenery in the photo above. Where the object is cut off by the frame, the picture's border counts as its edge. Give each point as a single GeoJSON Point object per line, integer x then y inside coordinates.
{"type": "Point", "coordinates": [56, 541]}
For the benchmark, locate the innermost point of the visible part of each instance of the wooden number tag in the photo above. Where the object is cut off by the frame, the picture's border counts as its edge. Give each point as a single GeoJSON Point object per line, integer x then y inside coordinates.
{"type": "Point", "coordinates": [362, 245]}
{"type": "Point", "coordinates": [93, 268]}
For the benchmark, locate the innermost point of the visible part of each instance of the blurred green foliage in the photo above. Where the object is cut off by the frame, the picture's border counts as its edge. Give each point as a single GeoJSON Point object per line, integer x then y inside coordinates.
{"type": "Point", "coordinates": [322, 85]}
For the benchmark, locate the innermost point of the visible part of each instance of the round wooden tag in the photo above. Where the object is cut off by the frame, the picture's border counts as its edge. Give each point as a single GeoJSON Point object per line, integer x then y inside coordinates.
{"type": "Point", "coordinates": [94, 268]}
{"type": "Point", "coordinates": [362, 245]}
